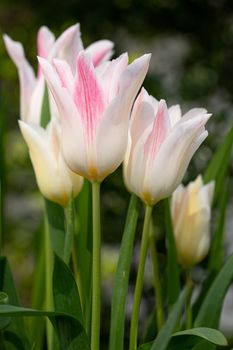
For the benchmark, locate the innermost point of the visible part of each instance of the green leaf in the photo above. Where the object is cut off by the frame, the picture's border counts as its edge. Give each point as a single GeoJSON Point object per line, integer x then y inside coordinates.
{"type": "Point", "coordinates": [218, 166]}
{"type": "Point", "coordinates": [70, 332]}
{"type": "Point", "coordinates": [146, 346]}
{"type": "Point", "coordinates": [55, 223]}
{"type": "Point", "coordinates": [212, 335]}
{"type": "Point", "coordinates": [4, 322]}
{"type": "Point", "coordinates": [65, 293]}
{"type": "Point", "coordinates": [216, 255]}
{"type": "Point", "coordinates": [165, 334]}
{"type": "Point", "coordinates": [16, 326]}
{"type": "Point", "coordinates": [45, 111]}
{"type": "Point", "coordinates": [172, 270]}
{"type": "Point", "coordinates": [210, 309]}
{"type": "Point", "coordinates": [36, 324]}
{"type": "Point", "coordinates": [121, 279]}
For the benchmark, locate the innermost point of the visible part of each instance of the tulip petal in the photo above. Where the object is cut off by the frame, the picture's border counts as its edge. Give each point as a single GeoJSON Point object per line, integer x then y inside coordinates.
{"type": "Point", "coordinates": [88, 95]}
{"type": "Point", "coordinates": [131, 81]}
{"type": "Point", "coordinates": [174, 114]}
{"type": "Point", "coordinates": [174, 156]}
{"type": "Point", "coordinates": [142, 115]}
{"type": "Point", "coordinates": [100, 51]}
{"type": "Point", "coordinates": [54, 179]}
{"type": "Point", "coordinates": [73, 142]}
{"type": "Point", "coordinates": [135, 166]}
{"type": "Point", "coordinates": [159, 133]}
{"type": "Point", "coordinates": [26, 75]}
{"type": "Point", "coordinates": [45, 42]}
{"type": "Point", "coordinates": [111, 141]}
{"type": "Point", "coordinates": [35, 106]}
{"type": "Point", "coordinates": [193, 113]}
{"type": "Point", "coordinates": [68, 45]}
{"type": "Point", "coordinates": [65, 74]}
{"type": "Point", "coordinates": [43, 162]}
{"type": "Point", "coordinates": [110, 76]}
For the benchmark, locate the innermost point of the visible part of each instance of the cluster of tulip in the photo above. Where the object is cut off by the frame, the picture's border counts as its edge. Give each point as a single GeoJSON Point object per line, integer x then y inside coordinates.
{"type": "Point", "coordinates": [98, 120]}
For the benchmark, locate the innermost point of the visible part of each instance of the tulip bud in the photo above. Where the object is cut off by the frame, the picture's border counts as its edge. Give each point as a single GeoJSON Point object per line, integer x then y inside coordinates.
{"type": "Point", "coordinates": [55, 180]}
{"type": "Point", "coordinates": [191, 213]}
{"type": "Point", "coordinates": [161, 145]}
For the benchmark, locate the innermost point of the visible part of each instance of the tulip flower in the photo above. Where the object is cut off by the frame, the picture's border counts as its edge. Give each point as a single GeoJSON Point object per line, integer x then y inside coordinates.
{"type": "Point", "coordinates": [161, 145]}
{"type": "Point", "coordinates": [66, 47]}
{"type": "Point", "coordinates": [55, 180]}
{"type": "Point", "coordinates": [191, 213]}
{"type": "Point", "coordinates": [94, 105]}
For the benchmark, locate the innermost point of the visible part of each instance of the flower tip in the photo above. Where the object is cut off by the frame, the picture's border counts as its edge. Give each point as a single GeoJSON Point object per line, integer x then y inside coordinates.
{"type": "Point", "coordinates": [206, 117]}
{"type": "Point", "coordinates": [162, 104]}
{"type": "Point", "coordinates": [42, 62]}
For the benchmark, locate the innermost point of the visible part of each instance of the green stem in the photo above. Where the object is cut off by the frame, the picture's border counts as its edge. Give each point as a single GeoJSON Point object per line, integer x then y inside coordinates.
{"type": "Point", "coordinates": [1, 218]}
{"type": "Point", "coordinates": [96, 267]}
{"type": "Point", "coordinates": [139, 281]}
{"type": "Point", "coordinates": [48, 284]}
{"type": "Point", "coordinates": [69, 214]}
{"type": "Point", "coordinates": [189, 314]}
{"type": "Point", "coordinates": [157, 284]}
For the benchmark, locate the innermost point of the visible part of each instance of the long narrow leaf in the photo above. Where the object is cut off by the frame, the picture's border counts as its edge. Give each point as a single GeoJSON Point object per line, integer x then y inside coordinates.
{"type": "Point", "coordinates": [172, 270]}
{"type": "Point", "coordinates": [210, 310]}
{"type": "Point", "coordinates": [216, 255]}
{"type": "Point", "coordinates": [163, 338]}
{"type": "Point", "coordinates": [218, 166]}
{"type": "Point", "coordinates": [121, 279]}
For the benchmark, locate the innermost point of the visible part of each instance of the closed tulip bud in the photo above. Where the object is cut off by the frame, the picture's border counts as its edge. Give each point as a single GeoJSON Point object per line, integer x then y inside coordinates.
{"type": "Point", "coordinates": [67, 46]}
{"type": "Point", "coordinates": [191, 213]}
{"type": "Point", "coordinates": [55, 180]}
{"type": "Point", "coordinates": [161, 145]}
{"type": "Point", "coordinates": [94, 106]}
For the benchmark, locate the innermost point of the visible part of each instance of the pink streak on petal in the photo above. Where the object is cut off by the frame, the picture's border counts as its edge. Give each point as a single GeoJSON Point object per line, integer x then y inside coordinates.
{"type": "Point", "coordinates": [100, 51]}
{"type": "Point", "coordinates": [45, 42]}
{"type": "Point", "coordinates": [161, 128]}
{"type": "Point", "coordinates": [88, 95]}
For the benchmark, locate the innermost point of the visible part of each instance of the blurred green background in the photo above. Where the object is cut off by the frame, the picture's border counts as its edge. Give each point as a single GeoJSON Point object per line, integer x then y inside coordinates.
{"type": "Point", "coordinates": [192, 64]}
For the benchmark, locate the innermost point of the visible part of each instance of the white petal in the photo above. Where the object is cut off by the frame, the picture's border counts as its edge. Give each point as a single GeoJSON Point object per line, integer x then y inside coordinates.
{"type": "Point", "coordinates": [68, 45]}
{"type": "Point", "coordinates": [26, 75]}
{"type": "Point", "coordinates": [165, 174]}
{"type": "Point", "coordinates": [174, 114]}
{"type": "Point", "coordinates": [131, 81]}
{"type": "Point", "coordinates": [100, 51]}
{"type": "Point", "coordinates": [143, 114]}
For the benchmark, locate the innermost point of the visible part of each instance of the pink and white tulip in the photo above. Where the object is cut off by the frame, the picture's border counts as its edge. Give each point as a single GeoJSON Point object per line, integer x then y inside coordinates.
{"type": "Point", "coordinates": [161, 145]}
{"type": "Point", "coordinates": [94, 105]}
{"type": "Point", "coordinates": [55, 180]}
{"type": "Point", "coordinates": [191, 214]}
{"type": "Point", "coordinates": [66, 47]}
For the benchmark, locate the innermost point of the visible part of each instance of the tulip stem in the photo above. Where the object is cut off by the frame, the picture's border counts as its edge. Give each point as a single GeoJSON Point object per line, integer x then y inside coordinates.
{"type": "Point", "coordinates": [96, 267]}
{"type": "Point", "coordinates": [139, 280]}
{"type": "Point", "coordinates": [69, 214]}
{"type": "Point", "coordinates": [157, 284]}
